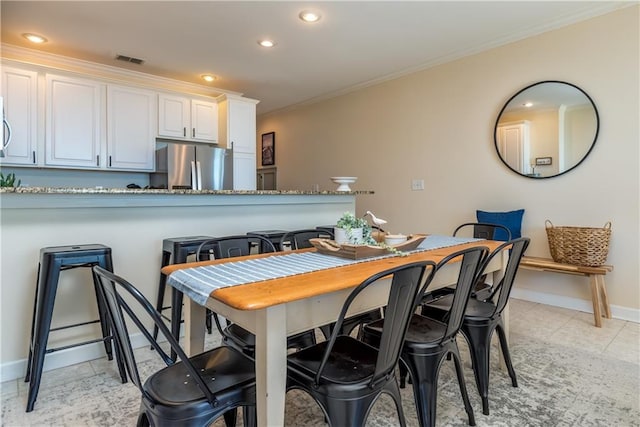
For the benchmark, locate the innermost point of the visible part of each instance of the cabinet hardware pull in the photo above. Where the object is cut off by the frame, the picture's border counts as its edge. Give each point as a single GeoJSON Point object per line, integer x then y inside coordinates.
{"type": "Point", "coordinates": [109, 161]}
{"type": "Point", "coordinates": [193, 133]}
{"type": "Point", "coordinates": [34, 157]}
{"type": "Point", "coordinates": [98, 160]}
{"type": "Point", "coordinates": [184, 132]}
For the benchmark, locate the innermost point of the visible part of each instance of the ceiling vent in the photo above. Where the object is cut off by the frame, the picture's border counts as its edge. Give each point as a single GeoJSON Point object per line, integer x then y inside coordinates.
{"type": "Point", "coordinates": [130, 59]}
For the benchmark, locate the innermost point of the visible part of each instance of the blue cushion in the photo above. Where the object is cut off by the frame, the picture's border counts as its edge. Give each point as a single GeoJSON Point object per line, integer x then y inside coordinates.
{"type": "Point", "coordinates": [512, 220]}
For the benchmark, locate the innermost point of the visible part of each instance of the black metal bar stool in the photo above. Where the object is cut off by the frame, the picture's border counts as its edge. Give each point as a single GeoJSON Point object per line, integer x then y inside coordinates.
{"type": "Point", "coordinates": [175, 250]}
{"type": "Point", "coordinates": [53, 260]}
{"type": "Point", "coordinates": [273, 235]}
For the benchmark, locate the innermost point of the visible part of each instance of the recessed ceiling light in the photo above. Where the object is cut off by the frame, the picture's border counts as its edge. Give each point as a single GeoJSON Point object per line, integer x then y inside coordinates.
{"type": "Point", "coordinates": [309, 16]}
{"type": "Point", "coordinates": [208, 77]}
{"type": "Point", "coordinates": [266, 43]}
{"type": "Point", "coordinates": [34, 38]}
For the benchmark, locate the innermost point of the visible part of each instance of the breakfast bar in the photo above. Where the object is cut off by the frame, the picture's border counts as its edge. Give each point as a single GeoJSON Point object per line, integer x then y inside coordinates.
{"type": "Point", "coordinates": [133, 223]}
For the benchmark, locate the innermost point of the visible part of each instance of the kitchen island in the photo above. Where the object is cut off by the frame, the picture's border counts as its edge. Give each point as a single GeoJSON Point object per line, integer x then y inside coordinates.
{"type": "Point", "coordinates": [133, 222]}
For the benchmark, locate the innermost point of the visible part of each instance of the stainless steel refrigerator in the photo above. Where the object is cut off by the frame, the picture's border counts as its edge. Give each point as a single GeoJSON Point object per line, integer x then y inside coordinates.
{"type": "Point", "coordinates": [192, 166]}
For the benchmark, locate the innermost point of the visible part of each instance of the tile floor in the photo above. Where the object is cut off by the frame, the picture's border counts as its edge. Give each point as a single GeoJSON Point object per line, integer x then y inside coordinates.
{"type": "Point", "coordinates": [570, 374]}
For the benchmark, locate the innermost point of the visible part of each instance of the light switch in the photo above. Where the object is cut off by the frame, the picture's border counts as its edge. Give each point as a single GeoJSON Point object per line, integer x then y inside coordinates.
{"type": "Point", "coordinates": [417, 184]}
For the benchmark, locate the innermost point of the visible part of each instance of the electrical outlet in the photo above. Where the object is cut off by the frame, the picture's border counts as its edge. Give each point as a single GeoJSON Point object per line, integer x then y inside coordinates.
{"type": "Point", "coordinates": [417, 184]}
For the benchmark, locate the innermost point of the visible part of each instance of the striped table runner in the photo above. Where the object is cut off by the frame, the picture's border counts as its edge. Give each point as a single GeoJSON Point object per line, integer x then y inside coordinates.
{"type": "Point", "coordinates": [198, 282]}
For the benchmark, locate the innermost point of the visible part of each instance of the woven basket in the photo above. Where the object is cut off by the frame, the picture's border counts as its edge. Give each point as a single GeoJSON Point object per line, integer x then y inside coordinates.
{"type": "Point", "coordinates": [585, 246]}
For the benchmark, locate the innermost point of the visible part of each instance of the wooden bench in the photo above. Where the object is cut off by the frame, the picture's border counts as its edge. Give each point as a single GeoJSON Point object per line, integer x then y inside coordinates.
{"type": "Point", "coordinates": [596, 279]}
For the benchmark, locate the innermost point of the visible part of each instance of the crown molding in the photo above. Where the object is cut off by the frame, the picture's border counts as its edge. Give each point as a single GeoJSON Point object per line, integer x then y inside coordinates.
{"type": "Point", "coordinates": [227, 96]}
{"type": "Point", "coordinates": [120, 75]}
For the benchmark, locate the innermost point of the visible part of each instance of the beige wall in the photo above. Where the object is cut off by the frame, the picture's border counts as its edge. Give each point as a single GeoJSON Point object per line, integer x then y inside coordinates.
{"type": "Point", "coordinates": [437, 125]}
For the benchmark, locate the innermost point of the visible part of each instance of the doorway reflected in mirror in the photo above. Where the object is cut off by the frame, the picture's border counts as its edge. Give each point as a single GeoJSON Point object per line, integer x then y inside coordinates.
{"type": "Point", "coordinates": [546, 129]}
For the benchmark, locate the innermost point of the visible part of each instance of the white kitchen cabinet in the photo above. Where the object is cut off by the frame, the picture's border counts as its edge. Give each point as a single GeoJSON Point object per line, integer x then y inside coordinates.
{"type": "Point", "coordinates": [173, 116]}
{"type": "Point", "coordinates": [131, 124]}
{"type": "Point", "coordinates": [74, 122]}
{"type": "Point", "coordinates": [204, 120]}
{"type": "Point", "coordinates": [237, 123]}
{"type": "Point", "coordinates": [237, 130]}
{"type": "Point", "coordinates": [244, 171]}
{"type": "Point", "coordinates": [20, 97]}
{"type": "Point", "coordinates": [188, 119]}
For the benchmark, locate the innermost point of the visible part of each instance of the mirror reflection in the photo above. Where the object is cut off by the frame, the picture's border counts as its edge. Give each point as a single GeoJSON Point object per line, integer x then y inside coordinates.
{"type": "Point", "coordinates": [546, 129]}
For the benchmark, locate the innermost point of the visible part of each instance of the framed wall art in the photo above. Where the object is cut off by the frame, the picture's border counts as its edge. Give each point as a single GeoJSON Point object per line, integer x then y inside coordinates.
{"type": "Point", "coordinates": [269, 149]}
{"type": "Point", "coordinates": [543, 161]}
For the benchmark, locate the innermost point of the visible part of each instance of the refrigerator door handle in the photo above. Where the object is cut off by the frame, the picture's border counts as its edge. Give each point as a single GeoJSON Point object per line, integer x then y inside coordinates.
{"type": "Point", "coordinates": [199, 175]}
{"type": "Point", "coordinates": [194, 178]}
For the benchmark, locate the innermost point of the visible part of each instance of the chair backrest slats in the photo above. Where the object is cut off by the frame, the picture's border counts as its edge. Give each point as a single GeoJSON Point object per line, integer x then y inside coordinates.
{"type": "Point", "coordinates": [406, 282]}
{"type": "Point", "coordinates": [516, 249]}
{"type": "Point", "coordinates": [483, 230]}
{"type": "Point", "coordinates": [233, 246]}
{"type": "Point", "coordinates": [299, 239]}
{"type": "Point", "coordinates": [397, 316]}
{"type": "Point", "coordinates": [470, 267]}
{"type": "Point", "coordinates": [115, 290]}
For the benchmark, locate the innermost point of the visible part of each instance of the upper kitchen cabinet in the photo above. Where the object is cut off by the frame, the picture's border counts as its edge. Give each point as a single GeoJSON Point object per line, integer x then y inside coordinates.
{"type": "Point", "coordinates": [185, 118]}
{"type": "Point", "coordinates": [131, 124]}
{"type": "Point", "coordinates": [74, 122]}
{"type": "Point", "coordinates": [237, 130]}
{"type": "Point", "coordinates": [20, 97]}
{"type": "Point", "coordinates": [237, 123]}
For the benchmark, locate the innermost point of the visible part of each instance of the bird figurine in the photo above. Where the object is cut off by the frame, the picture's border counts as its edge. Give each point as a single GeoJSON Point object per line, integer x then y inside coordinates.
{"type": "Point", "coordinates": [377, 221]}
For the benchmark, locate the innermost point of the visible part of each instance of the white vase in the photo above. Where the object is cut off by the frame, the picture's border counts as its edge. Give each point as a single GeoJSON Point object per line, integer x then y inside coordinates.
{"type": "Point", "coordinates": [353, 236]}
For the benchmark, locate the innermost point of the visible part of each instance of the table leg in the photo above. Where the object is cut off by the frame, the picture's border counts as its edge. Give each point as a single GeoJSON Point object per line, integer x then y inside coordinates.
{"type": "Point", "coordinates": [595, 299]}
{"type": "Point", "coordinates": [271, 365]}
{"type": "Point", "coordinates": [194, 315]}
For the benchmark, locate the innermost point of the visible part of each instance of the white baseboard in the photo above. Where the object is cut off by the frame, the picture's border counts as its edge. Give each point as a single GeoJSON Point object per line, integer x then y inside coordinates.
{"type": "Point", "coordinates": [617, 312]}
{"type": "Point", "coordinates": [59, 359]}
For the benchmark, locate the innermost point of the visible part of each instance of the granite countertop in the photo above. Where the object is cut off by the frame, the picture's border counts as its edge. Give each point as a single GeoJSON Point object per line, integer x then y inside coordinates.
{"type": "Point", "coordinates": [124, 191]}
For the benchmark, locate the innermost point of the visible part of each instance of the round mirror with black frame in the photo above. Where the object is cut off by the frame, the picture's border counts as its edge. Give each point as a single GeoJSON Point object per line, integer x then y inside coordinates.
{"type": "Point", "coordinates": [546, 129]}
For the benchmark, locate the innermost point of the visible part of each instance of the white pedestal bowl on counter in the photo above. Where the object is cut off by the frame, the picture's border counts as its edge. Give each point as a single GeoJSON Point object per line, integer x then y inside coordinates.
{"type": "Point", "coordinates": [344, 182]}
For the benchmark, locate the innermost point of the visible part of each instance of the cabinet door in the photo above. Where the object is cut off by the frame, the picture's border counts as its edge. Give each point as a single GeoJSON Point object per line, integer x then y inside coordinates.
{"type": "Point", "coordinates": [242, 126]}
{"type": "Point", "coordinates": [173, 116]}
{"type": "Point", "coordinates": [204, 120]}
{"type": "Point", "coordinates": [19, 92]}
{"type": "Point", "coordinates": [244, 171]}
{"type": "Point", "coordinates": [73, 122]}
{"type": "Point", "coordinates": [131, 128]}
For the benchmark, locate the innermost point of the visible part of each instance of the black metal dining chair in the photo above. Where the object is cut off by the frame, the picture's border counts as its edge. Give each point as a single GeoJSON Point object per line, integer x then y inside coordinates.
{"type": "Point", "coordinates": [299, 239]}
{"type": "Point", "coordinates": [192, 392]}
{"type": "Point", "coordinates": [477, 230]}
{"type": "Point", "coordinates": [483, 230]}
{"type": "Point", "coordinates": [346, 376]}
{"type": "Point", "coordinates": [429, 341]}
{"type": "Point", "coordinates": [235, 246]}
{"type": "Point", "coordinates": [488, 231]}
{"type": "Point", "coordinates": [484, 316]}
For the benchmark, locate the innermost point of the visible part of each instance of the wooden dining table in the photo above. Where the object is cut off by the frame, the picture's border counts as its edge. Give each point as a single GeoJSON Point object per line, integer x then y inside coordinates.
{"type": "Point", "coordinates": [276, 308]}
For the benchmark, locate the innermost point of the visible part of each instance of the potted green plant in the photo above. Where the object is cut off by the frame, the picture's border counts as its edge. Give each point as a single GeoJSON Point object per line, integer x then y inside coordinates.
{"type": "Point", "coordinates": [9, 180]}
{"type": "Point", "coordinates": [351, 229]}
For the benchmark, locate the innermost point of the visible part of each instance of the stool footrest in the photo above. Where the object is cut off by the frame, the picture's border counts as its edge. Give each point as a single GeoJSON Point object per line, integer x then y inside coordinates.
{"type": "Point", "coordinates": [64, 347]}
{"type": "Point", "coordinates": [74, 325]}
